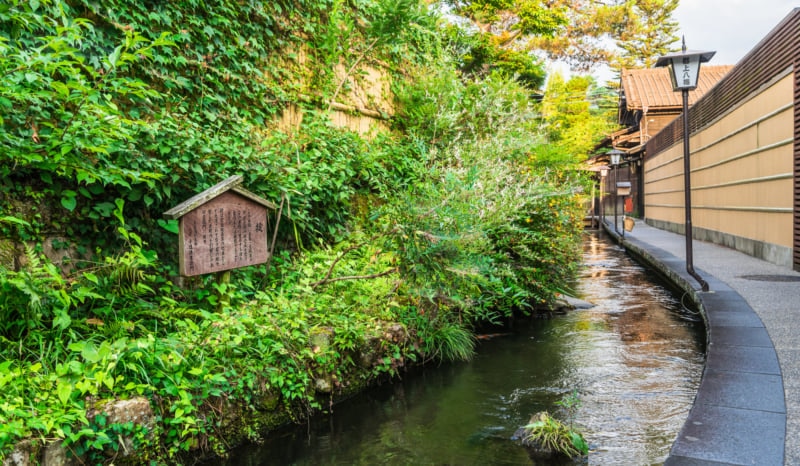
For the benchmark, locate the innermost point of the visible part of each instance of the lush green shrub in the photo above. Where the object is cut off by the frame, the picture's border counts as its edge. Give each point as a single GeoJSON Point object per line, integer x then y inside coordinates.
{"type": "Point", "coordinates": [494, 229]}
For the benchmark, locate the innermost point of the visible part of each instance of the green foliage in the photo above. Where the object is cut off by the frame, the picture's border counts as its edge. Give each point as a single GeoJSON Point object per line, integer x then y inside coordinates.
{"type": "Point", "coordinates": [478, 55]}
{"type": "Point", "coordinates": [531, 17]}
{"type": "Point", "coordinates": [571, 403]}
{"type": "Point", "coordinates": [62, 114]}
{"type": "Point", "coordinates": [576, 116]}
{"type": "Point", "coordinates": [494, 229]}
{"type": "Point", "coordinates": [576, 32]}
{"type": "Point", "coordinates": [321, 169]}
{"type": "Point", "coordinates": [551, 434]}
{"type": "Point", "coordinates": [185, 359]}
{"type": "Point", "coordinates": [648, 33]}
{"type": "Point", "coordinates": [542, 241]}
{"type": "Point", "coordinates": [38, 299]}
{"type": "Point", "coordinates": [95, 441]}
{"type": "Point", "coordinates": [453, 343]}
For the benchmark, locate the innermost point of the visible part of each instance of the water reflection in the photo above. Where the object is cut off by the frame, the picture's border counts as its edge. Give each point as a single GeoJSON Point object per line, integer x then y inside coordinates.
{"type": "Point", "coordinates": [635, 360]}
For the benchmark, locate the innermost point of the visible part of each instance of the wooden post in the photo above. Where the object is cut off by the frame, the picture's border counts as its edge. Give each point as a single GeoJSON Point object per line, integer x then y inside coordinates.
{"type": "Point", "coordinates": [223, 295]}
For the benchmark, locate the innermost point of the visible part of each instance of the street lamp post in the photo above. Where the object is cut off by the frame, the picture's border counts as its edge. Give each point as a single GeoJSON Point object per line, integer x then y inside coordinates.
{"type": "Point", "coordinates": [603, 174]}
{"type": "Point", "coordinates": [684, 70]}
{"type": "Point", "coordinates": [615, 156]}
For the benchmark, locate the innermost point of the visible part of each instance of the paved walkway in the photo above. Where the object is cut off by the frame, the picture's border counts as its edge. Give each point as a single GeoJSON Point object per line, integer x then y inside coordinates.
{"type": "Point", "coordinates": [747, 409]}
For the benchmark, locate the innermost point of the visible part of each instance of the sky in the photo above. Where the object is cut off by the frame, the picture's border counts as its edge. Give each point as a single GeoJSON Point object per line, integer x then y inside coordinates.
{"type": "Point", "coordinates": [730, 27]}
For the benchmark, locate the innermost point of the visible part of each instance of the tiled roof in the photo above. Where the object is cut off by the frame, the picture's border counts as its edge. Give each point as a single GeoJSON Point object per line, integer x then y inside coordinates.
{"type": "Point", "coordinates": [651, 88]}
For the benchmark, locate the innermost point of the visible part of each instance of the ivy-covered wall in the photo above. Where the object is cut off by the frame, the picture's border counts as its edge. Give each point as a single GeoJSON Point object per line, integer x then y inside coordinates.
{"type": "Point", "coordinates": [152, 102]}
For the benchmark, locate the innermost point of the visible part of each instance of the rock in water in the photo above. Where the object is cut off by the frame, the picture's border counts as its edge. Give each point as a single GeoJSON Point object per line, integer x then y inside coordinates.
{"type": "Point", "coordinates": [577, 303]}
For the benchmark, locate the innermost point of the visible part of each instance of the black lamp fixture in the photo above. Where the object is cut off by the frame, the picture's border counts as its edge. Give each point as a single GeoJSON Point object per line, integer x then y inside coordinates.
{"type": "Point", "coordinates": [684, 69]}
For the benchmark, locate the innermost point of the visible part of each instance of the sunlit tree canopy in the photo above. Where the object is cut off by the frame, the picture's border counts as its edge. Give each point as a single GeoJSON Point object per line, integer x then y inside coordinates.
{"type": "Point", "coordinates": [582, 33]}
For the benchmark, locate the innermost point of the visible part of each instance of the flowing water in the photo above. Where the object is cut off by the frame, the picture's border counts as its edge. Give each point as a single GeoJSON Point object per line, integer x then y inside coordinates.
{"type": "Point", "coordinates": [634, 360]}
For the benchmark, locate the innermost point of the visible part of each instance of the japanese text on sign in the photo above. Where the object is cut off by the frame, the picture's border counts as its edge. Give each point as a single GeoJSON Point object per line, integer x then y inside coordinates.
{"type": "Point", "coordinates": [227, 232]}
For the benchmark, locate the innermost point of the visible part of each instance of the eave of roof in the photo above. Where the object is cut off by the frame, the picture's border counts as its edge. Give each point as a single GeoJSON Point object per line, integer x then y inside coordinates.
{"type": "Point", "coordinates": [651, 88]}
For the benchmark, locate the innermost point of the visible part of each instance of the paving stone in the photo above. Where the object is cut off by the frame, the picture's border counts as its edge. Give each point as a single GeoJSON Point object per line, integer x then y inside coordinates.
{"type": "Point", "coordinates": [744, 390]}
{"type": "Point", "coordinates": [757, 359]}
{"type": "Point", "coordinates": [734, 436]}
{"type": "Point", "coordinates": [738, 335]}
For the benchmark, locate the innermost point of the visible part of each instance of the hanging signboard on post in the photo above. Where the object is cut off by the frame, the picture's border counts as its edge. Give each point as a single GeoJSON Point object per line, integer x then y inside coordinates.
{"type": "Point", "coordinates": [222, 228]}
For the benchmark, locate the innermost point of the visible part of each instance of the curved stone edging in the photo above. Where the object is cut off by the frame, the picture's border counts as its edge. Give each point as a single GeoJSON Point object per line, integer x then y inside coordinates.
{"type": "Point", "coordinates": [739, 413]}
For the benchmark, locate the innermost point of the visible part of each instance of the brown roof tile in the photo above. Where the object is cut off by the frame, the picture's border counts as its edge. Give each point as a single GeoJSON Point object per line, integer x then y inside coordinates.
{"type": "Point", "coordinates": [651, 88]}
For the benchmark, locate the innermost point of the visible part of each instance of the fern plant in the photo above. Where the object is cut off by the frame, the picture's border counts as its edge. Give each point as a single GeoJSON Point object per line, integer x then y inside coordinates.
{"type": "Point", "coordinates": [32, 297]}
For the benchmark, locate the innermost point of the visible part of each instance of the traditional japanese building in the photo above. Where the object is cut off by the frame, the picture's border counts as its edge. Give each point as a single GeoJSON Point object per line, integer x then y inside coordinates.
{"type": "Point", "coordinates": [647, 104]}
{"type": "Point", "coordinates": [744, 138]}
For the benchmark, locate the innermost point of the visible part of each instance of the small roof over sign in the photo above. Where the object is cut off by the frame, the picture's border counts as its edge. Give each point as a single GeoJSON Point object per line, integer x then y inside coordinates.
{"type": "Point", "coordinates": [230, 184]}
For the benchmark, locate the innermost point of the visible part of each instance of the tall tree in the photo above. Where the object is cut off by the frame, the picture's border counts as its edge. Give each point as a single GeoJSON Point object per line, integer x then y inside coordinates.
{"type": "Point", "coordinates": [582, 42]}
{"type": "Point", "coordinates": [509, 20]}
{"type": "Point", "coordinates": [649, 31]}
{"type": "Point", "coordinates": [577, 32]}
{"type": "Point", "coordinates": [574, 117]}
{"type": "Point", "coordinates": [497, 41]}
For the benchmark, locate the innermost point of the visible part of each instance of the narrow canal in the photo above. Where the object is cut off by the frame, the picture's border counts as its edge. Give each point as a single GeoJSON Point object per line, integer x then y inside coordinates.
{"type": "Point", "coordinates": [634, 360]}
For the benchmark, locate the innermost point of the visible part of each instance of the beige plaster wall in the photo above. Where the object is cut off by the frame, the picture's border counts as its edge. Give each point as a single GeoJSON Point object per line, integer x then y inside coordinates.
{"type": "Point", "coordinates": [741, 173]}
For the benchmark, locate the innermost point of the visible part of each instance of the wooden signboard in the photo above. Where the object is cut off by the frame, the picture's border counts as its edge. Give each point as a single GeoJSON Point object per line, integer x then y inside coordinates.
{"type": "Point", "coordinates": [222, 228]}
